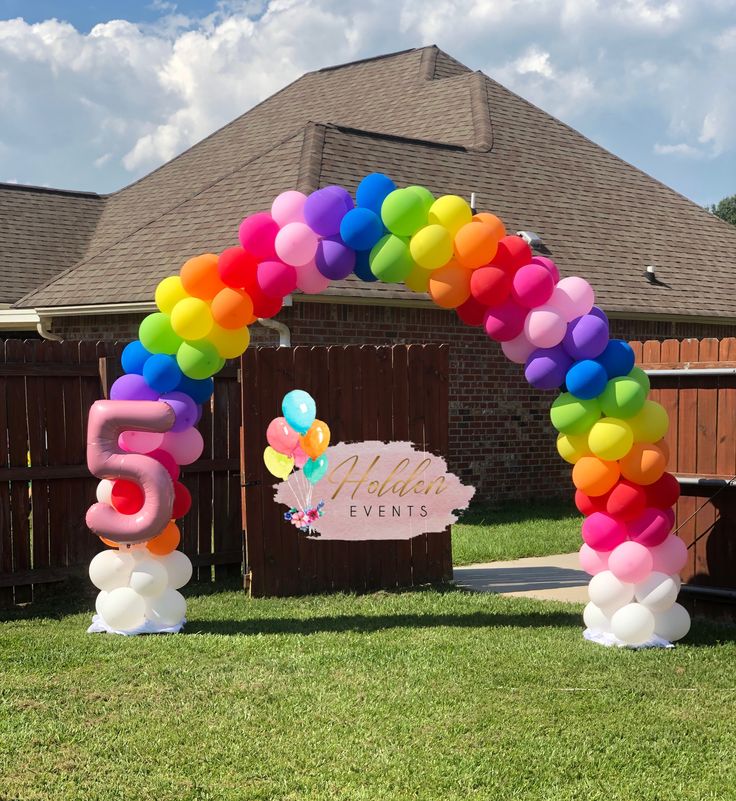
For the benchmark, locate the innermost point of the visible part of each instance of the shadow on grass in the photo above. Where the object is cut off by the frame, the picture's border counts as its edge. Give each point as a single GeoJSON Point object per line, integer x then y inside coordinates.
{"type": "Point", "coordinates": [516, 512]}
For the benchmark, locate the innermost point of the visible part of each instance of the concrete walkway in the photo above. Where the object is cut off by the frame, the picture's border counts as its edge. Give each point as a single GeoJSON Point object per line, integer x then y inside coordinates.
{"type": "Point", "coordinates": [549, 578]}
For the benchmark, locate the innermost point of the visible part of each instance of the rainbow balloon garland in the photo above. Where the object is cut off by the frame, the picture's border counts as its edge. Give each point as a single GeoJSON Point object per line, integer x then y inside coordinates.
{"type": "Point", "coordinates": [608, 429]}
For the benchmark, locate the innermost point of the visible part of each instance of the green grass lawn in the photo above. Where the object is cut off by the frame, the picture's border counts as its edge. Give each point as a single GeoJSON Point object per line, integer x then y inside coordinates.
{"type": "Point", "coordinates": [419, 695]}
{"type": "Point", "coordinates": [487, 534]}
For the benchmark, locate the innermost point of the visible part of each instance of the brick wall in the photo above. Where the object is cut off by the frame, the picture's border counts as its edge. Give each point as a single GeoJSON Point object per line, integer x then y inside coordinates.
{"type": "Point", "coordinates": [500, 436]}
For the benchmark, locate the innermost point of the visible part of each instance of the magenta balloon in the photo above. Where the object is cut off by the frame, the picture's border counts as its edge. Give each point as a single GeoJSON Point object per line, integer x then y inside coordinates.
{"type": "Point", "coordinates": [334, 259]}
{"type": "Point", "coordinates": [257, 235]}
{"type": "Point", "coordinates": [276, 279]}
{"type": "Point", "coordinates": [532, 285]}
{"type": "Point", "coordinates": [281, 436]}
{"type": "Point", "coordinates": [651, 527]}
{"type": "Point", "coordinates": [325, 208]}
{"type": "Point", "coordinates": [586, 337]}
{"type": "Point", "coordinates": [184, 408]}
{"type": "Point", "coordinates": [549, 265]}
{"type": "Point", "coordinates": [504, 322]}
{"type": "Point", "coordinates": [300, 458]}
{"type": "Point", "coordinates": [603, 532]}
{"type": "Point", "coordinates": [546, 368]}
{"type": "Point", "coordinates": [185, 446]}
{"type": "Point", "coordinates": [132, 387]}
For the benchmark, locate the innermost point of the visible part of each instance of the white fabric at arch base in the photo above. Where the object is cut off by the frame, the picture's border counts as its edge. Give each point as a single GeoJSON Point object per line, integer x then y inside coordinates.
{"type": "Point", "coordinates": [149, 627]}
{"type": "Point", "coordinates": [610, 640]}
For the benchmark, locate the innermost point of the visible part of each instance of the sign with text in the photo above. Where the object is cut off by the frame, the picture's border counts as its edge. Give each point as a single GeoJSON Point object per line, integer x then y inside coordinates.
{"type": "Point", "coordinates": [379, 491]}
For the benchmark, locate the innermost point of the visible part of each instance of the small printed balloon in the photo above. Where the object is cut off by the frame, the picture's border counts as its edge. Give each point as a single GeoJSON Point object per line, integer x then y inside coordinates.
{"type": "Point", "coordinates": [277, 464]}
{"type": "Point", "coordinates": [315, 442]}
{"type": "Point", "coordinates": [281, 436]}
{"type": "Point", "coordinates": [299, 410]}
{"type": "Point", "coordinates": [316, 469]}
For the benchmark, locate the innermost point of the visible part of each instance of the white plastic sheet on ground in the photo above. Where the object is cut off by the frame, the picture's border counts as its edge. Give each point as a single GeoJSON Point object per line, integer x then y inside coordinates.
{"type": "Point", "coordinates": [609, 640]}
{"type": "Point", "coordinates": [99, 626]}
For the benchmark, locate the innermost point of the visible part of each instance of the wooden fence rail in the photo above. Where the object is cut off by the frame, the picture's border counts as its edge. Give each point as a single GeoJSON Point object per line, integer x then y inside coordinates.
{"type": "Point", "coordinates": [46, 389]}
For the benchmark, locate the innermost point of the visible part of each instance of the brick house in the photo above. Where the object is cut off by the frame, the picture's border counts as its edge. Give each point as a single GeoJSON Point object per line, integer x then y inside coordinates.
{"type": "Point", "coordinates": [80, 265]}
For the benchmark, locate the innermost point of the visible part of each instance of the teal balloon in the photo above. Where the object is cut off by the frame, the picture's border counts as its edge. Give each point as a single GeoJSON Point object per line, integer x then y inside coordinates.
{"type": "Point", "coordinates": [315, 469]}
{"type": "Point", "coordinates": [299, 409]}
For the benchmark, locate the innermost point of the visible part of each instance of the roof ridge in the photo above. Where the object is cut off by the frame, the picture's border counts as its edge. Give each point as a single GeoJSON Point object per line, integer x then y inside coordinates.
{"type": "Point", "coordinates": [395, 137]}
{"type": "Point", "coordinates": [49, 190]}
{"type": "Point", "coordinates": [379, 57]}
{"type": "Point", "coordinates": [480, 110]}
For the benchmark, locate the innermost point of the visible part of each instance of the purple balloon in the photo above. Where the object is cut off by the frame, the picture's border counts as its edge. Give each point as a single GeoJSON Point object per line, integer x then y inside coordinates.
{"type": "Point", "coordinates": [546, 368]}
{"type": "Point", "coordinates": [334, 259]}
{"type": "Point", "coordinates": [184, 407]}
{"type": "Point", "coordinates": [586, 337]}
{"type": "Point", "coordinates": [325, 208]}
{"type": "Point", "coordinates": [132, 387]}
{"type": "Point", "coordinates": [596, 311]}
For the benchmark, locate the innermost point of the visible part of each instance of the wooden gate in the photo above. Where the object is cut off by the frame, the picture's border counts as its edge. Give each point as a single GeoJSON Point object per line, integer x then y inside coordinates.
{"type": "Point", "coordinates": [363, 393]}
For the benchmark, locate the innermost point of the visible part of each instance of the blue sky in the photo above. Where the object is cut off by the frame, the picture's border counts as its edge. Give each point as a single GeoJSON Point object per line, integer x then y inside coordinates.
{"type": "Point", "coordinates": [96, 94]}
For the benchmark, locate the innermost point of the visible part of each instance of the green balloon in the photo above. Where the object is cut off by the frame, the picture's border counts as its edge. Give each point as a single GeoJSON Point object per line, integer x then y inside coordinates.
{"type": "Point", "coordinates": [198, 359]}
{"type": "Point", "coordinates": [403, 212]}
{"type": "Point", "coordinates": [157, 335]}
{"type": "Point", "coordinates": [641, 378]}
{"type": "Point", "coordinates": [623, 397]}
{"type": "Point", "coordinates": [390, 259]}
{"type": "Point", "coordinates": [571, 415]}
{"type": "Point", "coordinates": [424, 193]}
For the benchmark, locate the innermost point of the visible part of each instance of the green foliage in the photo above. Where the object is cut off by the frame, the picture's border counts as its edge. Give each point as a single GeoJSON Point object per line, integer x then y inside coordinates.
{"type": "Point", "coordinates": [726, 209]}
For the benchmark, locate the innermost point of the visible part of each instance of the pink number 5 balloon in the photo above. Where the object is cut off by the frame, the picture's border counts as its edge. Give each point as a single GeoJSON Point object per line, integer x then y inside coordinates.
{"type": "Point", "coordinates": [107, 420]}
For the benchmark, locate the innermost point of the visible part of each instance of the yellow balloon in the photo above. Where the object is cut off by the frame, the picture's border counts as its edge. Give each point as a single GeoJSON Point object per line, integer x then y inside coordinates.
{"type": "Point", "coordinates": [650, 423]}
{"type": "Point", "coordinates": [277, 464]}
{"type": "Point", "coordinates": [191, 318]}
{"type": "Point", "coordinates": [572, 447]}
{"type": "Point", "coordinates": [451, 212]}
{"type": "Point", "coordinates": [230, 342]}
{"type": "Point", "coordinates": [169, 292]}
{"type": "Point", "coordinates": [431, 247]}
{"type": "Point", "coordinates": [418, 279]}
{"type": "Point", "coordinates": [610, 439]}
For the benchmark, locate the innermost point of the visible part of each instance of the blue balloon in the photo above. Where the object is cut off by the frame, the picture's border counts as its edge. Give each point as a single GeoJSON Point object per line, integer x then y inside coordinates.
{"type": "Point", "coordinates": [372, 191]}
{"type": "Point", "coordinates": [162, 372]}
{"type": "Point", "coordinates": [363, 266]}
{"type": "Point", "coordinates": [586, 379]}
{"type": "Point", "coordinates": [315, 469]}
{"type": "Point", "coordinates": [199, 390]}
{"type": "Point", "coordinates": [134, 357]}
{"type": "Point", "coordinates": [360, 229]}
{"type": "Point", "coordinates": [618, 358]}
{"type": "Point", "coordinates": [299, 409]}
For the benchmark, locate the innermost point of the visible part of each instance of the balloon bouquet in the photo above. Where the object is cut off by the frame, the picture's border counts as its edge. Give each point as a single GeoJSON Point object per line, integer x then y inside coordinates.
{"type": "Point", "coordinates": [298, 439]}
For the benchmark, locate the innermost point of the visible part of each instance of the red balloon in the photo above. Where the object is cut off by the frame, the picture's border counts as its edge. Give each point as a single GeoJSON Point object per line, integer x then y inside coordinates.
{"type": "Point", "coordinates": [263, 306]}
{"type": "Point", "coordinates": [236, 267]}
{"type": "Point", "coordinates": [182, 501]}
{"type": "Point", "coordinates": [471, 312]}
{"type": "Point", "coordinates": [490, 286]}
{"type": "Point", "coordinates": [512, 254]}
{"type": "Point", "coordinates": [587, 505]}
{"type": "Point", "coordinates": [126, 497]}
{"type": "Point", "coordinates": [626, 501]}
{"type": "Point", "coordinates": [664, 492]}
{"type": "Point", "coordinates": [167, 460]}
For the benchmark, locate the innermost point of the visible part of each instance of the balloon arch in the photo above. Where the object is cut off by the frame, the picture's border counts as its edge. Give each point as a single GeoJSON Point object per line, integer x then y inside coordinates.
{"type": "Point", "coordinates": [607, 428]}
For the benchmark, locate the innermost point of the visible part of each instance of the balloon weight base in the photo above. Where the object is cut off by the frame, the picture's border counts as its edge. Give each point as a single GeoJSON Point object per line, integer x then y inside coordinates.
{"type": "Point", "coordinates": [99, 626]}
{"type": "Point", "coordinates": [610, 640]}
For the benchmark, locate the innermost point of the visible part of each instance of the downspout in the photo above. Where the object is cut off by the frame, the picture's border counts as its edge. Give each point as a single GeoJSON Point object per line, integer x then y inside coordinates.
{"type": "Point", "coordinates": [43, 330]}
{"type": "Point", "coordinates": [282, 328]}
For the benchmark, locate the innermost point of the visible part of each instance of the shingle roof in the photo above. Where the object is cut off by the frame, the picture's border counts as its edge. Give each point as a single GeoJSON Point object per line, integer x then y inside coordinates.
{"type": "Point", "coordinates": [421, 117]}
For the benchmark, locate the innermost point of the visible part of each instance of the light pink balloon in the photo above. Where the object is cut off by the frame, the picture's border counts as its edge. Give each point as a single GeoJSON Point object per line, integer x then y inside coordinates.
{"type": "Point", "coordinates": [545, 326]}
{"type": "Point", "coordinates": [671, 556]}
{"type": "Point", "coordinates": [593, 561]}
{"type": "Point", "coordinates": [518, 350]}
{"type": "Point", "coordinates": [296, 244]}
{"type": "Point", "coordinates": [140, 441]}
{"type": "Point", "coordinates": [310, 280]}
{"type": "Point", "coordinates": [630, 562]}
{"type": "Point", "coordinates": [281, 436]}
{"type": "Point", "coordinates": [573, 297]}
{"type": "Point", "coordinates": [185, 446]}
{"type": "Point", "coordinates": [300, 458]}
{"type": "Point", "coordinates": [288, 207]}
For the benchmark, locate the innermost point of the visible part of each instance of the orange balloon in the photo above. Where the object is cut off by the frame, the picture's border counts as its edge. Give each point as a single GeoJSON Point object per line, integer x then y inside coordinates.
{"type": "Point", "coordinates": [476, 244]}
{"type": "Point", "coordinates": [232, 308]}
{"type": "Point", "coordinates": [110, 543]}
{"type": "Point", "coordinates": [643, 464]}
{"type": "Point", "coordinates": [449, 286]}
{"type": "Point", "coordinates": [314, 443]}
{"type": "Point", "coordinates": [200, 278]}
{"type": "Point", "coordinates": [166, 541]}
{"type": "Point", "coordinates": [491, 219]}
{"type": "Point", "coordinates": [665, 448]}
{"type": "Point", "coordinates": [595, 477]}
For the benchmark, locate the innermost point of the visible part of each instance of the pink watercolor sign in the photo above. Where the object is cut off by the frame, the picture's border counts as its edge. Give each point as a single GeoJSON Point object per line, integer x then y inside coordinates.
{"type": "Point", "coordinates": [380, 491]}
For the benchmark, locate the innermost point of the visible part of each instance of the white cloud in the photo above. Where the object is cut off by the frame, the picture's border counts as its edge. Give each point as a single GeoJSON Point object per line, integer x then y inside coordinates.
{"type": "Point", "coordinates": [679, 149]}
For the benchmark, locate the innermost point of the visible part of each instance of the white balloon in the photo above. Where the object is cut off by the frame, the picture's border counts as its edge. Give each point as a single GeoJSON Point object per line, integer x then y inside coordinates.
{"type": "Point", "coordinates": [657, 592]}
{"type": "Point", "coordinates": [595, 618]}
{"type": "Point", "coordinates": [672, 624]}
{"type": "Point", "coordinates": [178, 567]}
{"type": "Point", "coordinates": [138, 552]}
{"type": "Point", "coordinates": [633, 624]}
{"type": "Point", "coordinates": [110, 569]}
{"type": "Point", "coordinates": [168, 609]}
{"type": "Point", "coordinates": [104, 491]}
{"type": "Point", "coordinates": [101, 595]}
{"type": "Point", "coordinates": [148, 578]}
{"type": "Point", "coordinates": [123, 609]}
{"type": "Point", "coordinates": [608, 592]}
{"type": "Point", "coordinates": [676, 578]}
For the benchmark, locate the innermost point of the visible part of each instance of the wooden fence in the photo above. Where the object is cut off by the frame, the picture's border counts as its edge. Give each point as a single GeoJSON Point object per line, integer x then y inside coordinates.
{"type": "Point", "coordinates": [46, 389]}
{"type": "Point", "coordinates": [702, 443]}
{"type": "Point", "coordinates": [364, 393]}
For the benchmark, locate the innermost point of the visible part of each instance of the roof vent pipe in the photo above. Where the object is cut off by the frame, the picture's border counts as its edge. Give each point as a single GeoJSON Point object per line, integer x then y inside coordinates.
{"type": "Point", "coordinates": [282, 329]}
